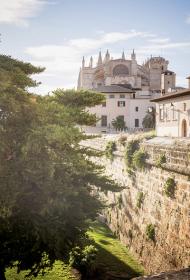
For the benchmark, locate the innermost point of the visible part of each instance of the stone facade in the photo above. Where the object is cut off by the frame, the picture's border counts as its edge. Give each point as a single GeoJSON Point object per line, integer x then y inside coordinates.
{"type": "Point", "coordinates": [170, 217]}
{"type": "Point", "coordinates": [123, 81]}
{"type": "Point", "coordinates": [134, 107]}
{"type": "Point", "coordinates": [173, 114]}
{"type": "Point", "coordinates": [126, 71]}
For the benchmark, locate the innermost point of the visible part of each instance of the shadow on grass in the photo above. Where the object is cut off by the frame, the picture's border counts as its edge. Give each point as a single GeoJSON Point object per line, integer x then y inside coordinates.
{"type": "Point", "coordinates": [109, 267]}
{"type": "Point", "coordinates": [113, 261]}
{"type": "Point", "coordinates": [104, 242]}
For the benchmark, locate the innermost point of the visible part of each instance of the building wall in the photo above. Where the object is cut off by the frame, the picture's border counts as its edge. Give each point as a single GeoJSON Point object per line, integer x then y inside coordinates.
{"type": "Point", "coordinates": [150, 73]}
{"type": "Point", "coordinates": [85, 80]}
{"type": "Point", "coordinates": [169, 216]}
{"type": "Point", "coordinates": [133, 81]}
{"type": "Point", "coordinates": [142, 101]}
{"type": "Point", "coordinates": [168, 81]}
{"type": "Point", "coordinates": [172, 125]}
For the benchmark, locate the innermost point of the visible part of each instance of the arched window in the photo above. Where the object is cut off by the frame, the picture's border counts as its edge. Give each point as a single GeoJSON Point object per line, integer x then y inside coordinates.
{"type": "Point", "coordinates": [120, 70]}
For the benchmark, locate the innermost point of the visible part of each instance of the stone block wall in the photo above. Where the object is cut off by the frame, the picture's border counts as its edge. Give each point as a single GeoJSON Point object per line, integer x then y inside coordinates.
{"type": "Point", "coordinates": [170, 217]}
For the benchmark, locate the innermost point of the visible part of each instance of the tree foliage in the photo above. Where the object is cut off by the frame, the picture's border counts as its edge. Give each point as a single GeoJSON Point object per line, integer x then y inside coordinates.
{"type": "Point", "coordinates": [119, 123]}
{"type": "Point", "coordinates": [149, 120]}
{"type": "Point", "coordinates": [46, 177]}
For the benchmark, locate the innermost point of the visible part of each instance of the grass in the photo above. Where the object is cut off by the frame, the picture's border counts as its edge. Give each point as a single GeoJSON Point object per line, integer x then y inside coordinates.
{"type": "Point", "coordinates": [112, 255]}
{"type": "Point", "coordinates": [60, 271]}
{"type": "Point", "coordinates": [112, 258]}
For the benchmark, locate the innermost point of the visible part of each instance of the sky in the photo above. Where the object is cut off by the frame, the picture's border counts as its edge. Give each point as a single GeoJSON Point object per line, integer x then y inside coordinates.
{"type": "Point", "coordinates": [56, 34]}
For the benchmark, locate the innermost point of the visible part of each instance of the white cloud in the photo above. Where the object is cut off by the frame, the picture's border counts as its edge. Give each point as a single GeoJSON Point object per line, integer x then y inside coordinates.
{"type": "Point", "coordinates": [19, 11]}
{"type": "Point", "coordinates": [162, 47]}
{"type": "Point", "coordinates": [160, 40]}
{"type": "Point", "coordinates": [63, 61]}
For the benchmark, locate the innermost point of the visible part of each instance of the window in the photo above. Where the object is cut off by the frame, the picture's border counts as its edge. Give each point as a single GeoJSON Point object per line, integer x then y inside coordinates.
{"type": "Point", "coordinates": [161, 112]}
{"type": "Point", "coordinates": [136, 122]}
{"type": "Point", "coordinates": [122, 96]}
{"type": "Point", "coordinates": [168, 114]}
{"type": "Point", "coordinates": [136, 109]}
{"type": "Point", "coordinates": [111, 96]}
{"type": "Point", "coordinates": [121, 103]}
{"type": "Point", "coordinates": [133, 95]}
{"type": "Point", "coordinates": [104, 104]}
{"type": "Point", "coordinates": [174, 113]}
{"type": "Point", "coordinates": [184, 107]}
{"type": "Point", "coordinates": [103, 121]}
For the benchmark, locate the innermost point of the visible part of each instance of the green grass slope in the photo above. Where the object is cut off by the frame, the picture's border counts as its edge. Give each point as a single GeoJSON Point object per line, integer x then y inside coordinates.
{"type": "Point", "coordinates": [113, 258]}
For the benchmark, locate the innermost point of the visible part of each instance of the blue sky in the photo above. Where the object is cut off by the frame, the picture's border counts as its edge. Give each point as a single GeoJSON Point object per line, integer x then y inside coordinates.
{"type": "Point", "coordinates": [57, 33]}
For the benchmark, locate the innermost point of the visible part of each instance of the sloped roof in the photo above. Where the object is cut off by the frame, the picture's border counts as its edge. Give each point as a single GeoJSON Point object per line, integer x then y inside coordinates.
{"type": "Point", "coordinates": [114, 89]}
{"type": "Point", "coordinates": [167, 72]}
{"type": "Point", "coordinates": [177, 94]}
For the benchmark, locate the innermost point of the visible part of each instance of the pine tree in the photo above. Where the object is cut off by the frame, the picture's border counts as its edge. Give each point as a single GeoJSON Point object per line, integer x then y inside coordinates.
{"type": "Point", "coordinates": [46, 177]}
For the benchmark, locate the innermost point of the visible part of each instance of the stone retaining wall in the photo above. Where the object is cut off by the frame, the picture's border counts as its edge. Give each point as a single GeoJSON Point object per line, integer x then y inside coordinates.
{"type": "Point", "coordinates": [170, 217]}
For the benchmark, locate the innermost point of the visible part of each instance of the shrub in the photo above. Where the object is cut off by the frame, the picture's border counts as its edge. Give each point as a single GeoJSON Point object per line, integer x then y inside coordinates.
{"type": "Point", "coordinates": [83, 259]}
{"type": "Point", "coordinates": [169, 187]}
{"type": "Point", "coordinates": [161, 160]}
{"type": "Point", "coordinates": [122, 140]}
{"type": "Point", "coordinates": [131, 147]}
{"type": "Point", "coordinates": [140, 198]}
{"type": "Point", "coordinates": [150, 232]}
{"type": "Point", "coordinates": [110, 149]}
{"type": "Point", "coordinates": [119, 123]}
{"type": "Point", "coordinates": [149, 120]}
{"type": "Point", "coordinates": [139, 159]}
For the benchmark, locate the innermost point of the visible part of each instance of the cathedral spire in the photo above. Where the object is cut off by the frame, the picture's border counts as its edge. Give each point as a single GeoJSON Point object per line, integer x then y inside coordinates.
{"type": "Point", "coordinates": [100, 58]}
{"type": "Point", "coordinates": [133, 55]}
{"type": "Point", "coordinates": [107, 56]}
{"type": "Point", "coordinates": [83, 62]}
{"type": "Point", "coordinates": [91, 62]}
{"type": "Point", "coordinates": [123, 55]}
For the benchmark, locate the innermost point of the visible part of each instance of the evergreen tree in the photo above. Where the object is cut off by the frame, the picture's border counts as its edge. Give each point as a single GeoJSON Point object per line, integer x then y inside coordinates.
{"type": "Point", "coordinates": [46, 177]}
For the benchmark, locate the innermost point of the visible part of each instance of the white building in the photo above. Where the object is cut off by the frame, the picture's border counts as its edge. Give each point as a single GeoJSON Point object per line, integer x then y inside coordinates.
{"type": "Point", "coordinates": [121, 101]}
{"type": "Point", "coordinates": [128, 87]}
{"type": "Point", "coordinates": [173, 114]}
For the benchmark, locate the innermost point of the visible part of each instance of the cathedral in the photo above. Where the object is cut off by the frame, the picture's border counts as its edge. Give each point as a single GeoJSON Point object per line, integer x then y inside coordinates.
{"type": "Point", "coordinates": [128, 88]}
{"type": "Point", "coordinates": [152, 75]}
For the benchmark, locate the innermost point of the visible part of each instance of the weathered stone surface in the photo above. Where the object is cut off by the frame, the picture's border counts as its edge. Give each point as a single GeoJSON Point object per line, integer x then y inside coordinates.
{"type": "Point", "coordinates": [170, 216]}
{"type": "Point", "coordinates": [175, 275]}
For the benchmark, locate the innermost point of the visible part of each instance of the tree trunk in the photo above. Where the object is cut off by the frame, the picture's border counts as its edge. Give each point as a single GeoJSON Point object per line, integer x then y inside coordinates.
{"type": "Point", "coordinates": [2, 274]}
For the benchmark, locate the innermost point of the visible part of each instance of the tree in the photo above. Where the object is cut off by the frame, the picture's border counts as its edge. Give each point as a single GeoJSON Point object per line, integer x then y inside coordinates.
{"type": "Point", "coordinates": [119, 123]}
{"type": "Point", "coordinates": [46, 177]}
{"type": "Point", "coordinates": [149, 120]}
